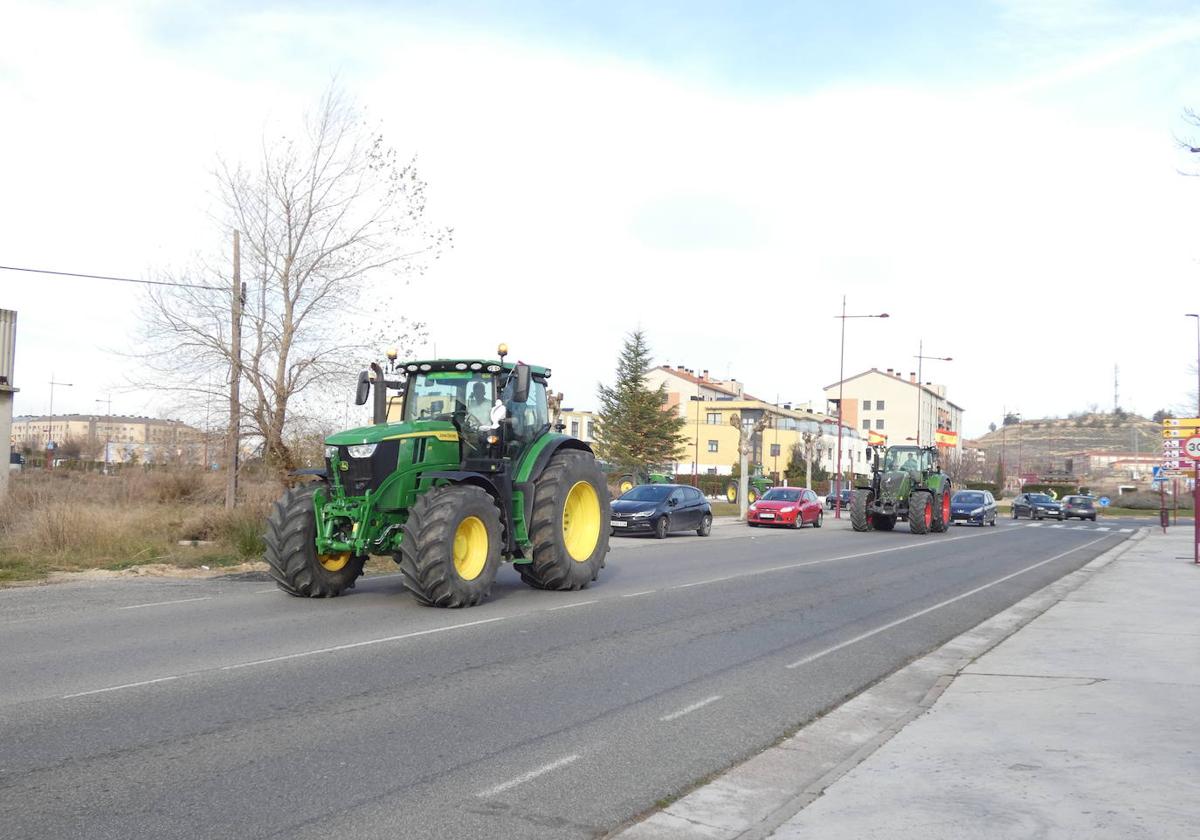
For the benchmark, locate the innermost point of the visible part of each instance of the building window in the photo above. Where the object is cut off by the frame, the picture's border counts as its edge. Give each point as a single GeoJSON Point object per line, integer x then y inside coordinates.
{"type": "Point", "coordinates": [714, 418]}
{"type": "Point", "coordinates": [774, 450]}
{"type": "Point", "coordinates": [866, 424]}
{"type": "Point", "coordinates": [866, 405]}
{"type": "Point", "coordinates": [878, 424]}
{"type": "Point", "coordinates": [574, 428]}
{"type": "Point", "coordinates": [712, 446]}
{"type": "Point", "coordinates": [879, 405]}
{"type": "Point", "coordinates": [587, 430]}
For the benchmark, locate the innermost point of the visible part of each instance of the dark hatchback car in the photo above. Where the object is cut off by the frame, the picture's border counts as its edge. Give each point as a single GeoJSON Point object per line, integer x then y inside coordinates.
{"type": "Point", "coordinates": [1036, 506]}
{"type": "Point", "coordinates": [1082, 506]}
{"type": "Point", "coordinates": [847, 497]}
{"type": "Point", "coordinates": [977, 507]}
{"type": "Point", "coordinates": [660, 509]}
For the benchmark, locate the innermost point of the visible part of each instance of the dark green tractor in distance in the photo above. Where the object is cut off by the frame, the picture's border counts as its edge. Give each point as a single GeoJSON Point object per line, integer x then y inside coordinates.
{"type": "Point", "coordinates": [628, 481]}
{"type": "Point", "coordinates": [908, 485]}
{"type": "Point", "coordinates": [468, 475]}
{"type": "Point", "coordinates": [756, 485]}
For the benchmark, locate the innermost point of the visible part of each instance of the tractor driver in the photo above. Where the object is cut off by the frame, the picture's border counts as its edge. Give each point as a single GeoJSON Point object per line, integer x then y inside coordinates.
{"type": "Point", "coordinates": [910, 464]}
{"type": "Point", "coordinates": [478, 405]}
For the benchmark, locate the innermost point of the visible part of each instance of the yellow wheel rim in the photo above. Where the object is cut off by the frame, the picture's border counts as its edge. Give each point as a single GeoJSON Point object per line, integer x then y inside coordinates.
{"type": "Point", "coordinates": [752, 497]}
{"type": "Point", "coordinates": [334, 562]}
{"type": "Point", "coordinates": [581, 521]}
{"type": "Point", "coordinates": [731, 494]}
{"type": "Point", "coordinates": [470, 548]}
{"type": "Point", "coordinates": [625, 487]}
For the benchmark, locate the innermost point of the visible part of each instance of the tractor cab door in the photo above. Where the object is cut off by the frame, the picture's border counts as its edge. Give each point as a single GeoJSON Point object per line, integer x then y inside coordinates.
{"type": "Point", "coordinates": [526, 421]}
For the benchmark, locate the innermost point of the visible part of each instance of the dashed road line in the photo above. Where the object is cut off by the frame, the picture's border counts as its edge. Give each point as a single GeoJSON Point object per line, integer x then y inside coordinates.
{"type": "Point", "coordinates": [687, 710]}
{"type": "Point", "coordinates": [119, 687]}
{"type": "Point", "coordinates": [576, 604]}
{"type": "Point", "coordinates": [525, 777]}
{"type": "Point", "coordinates": [1102, 528]}
{"type": "Point", "coordinates": [165, 603]}
{"type": "Point", "coordinates": [862, 636]}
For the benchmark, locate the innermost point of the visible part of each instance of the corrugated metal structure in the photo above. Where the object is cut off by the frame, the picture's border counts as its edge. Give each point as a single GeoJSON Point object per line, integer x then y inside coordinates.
{"type": "Point", "coordinates": [8, 345]}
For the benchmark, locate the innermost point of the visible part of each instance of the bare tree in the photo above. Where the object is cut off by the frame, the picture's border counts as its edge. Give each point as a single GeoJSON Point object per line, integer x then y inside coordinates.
{"type": "Point", "coordinates": [332, 223]}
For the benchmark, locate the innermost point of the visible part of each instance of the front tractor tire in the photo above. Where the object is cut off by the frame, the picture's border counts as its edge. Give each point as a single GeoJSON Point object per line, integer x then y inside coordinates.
{"type": "Point", "coordinates": [920, 513]}
{"type": "Point", "coordinates": [291, 550]}
{"type": "Point", "coordinates": [569, 525]}
{"type": "Point", "coordinates": [626, 483]}
{"type": "Point", "coordinates": [941, 512]}
{"type": "Point", "coordinates": [451, 547]}
{"type": "Point", "coordinates": [860, 516]}
{"type": "Point", "coordinates": [731, 492]}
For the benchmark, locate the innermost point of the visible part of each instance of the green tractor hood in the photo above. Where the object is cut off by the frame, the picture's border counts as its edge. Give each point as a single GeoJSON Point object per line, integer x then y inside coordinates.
{"type": "Point", "coordinates": [440, 429]}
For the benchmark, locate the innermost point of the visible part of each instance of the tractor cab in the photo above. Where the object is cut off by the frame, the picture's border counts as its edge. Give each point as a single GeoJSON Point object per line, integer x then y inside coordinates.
{"type": "Point", "coordinates": [909, 459]}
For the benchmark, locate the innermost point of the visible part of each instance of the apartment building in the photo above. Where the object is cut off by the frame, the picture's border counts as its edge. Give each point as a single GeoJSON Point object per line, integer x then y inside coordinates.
{"type": "Point", "coordinates": [898, 407]}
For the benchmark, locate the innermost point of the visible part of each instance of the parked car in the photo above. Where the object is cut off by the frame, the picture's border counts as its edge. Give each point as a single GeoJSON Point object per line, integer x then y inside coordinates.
{"type": "Point", "coordinates": [1036, 506]}
{"type": "Point", "coordinates": [791, 506]}
{"type": "Point", "coordinates": [15, 461]}
{"type": "Point", "coordinates": [660, 509]}
{"type": "Point", "coordinates": [1082, 506]}
{"type": "Point", "coordinates": [847, 496]}
{"type": "Point", "coordinates": [977, 507]}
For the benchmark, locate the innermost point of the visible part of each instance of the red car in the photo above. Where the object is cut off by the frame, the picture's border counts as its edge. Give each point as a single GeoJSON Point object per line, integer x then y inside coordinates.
{"type": "Point", "coordinates": [792, 506]}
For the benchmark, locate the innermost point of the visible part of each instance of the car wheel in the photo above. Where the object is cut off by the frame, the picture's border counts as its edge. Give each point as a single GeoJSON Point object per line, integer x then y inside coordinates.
{"type": "Point", "coordinates": [662, 527]}
{"type": "Point", "coordinates": [817, 522]}
{"type": "Point", "coordinates": [705, 526]}
{"type": "Point", "coordinates": [1014, 513]}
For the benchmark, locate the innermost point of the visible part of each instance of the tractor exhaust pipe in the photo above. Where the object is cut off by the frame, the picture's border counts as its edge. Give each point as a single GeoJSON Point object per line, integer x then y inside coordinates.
{"type": "Point", "coordinates": [379, 405]}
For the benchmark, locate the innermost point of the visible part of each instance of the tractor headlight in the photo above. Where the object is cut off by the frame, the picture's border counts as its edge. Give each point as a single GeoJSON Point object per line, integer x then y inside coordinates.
{"type": "Point", "coordinates": [361, 450]}
{"type": "Point", "coordinates": [331, 452]}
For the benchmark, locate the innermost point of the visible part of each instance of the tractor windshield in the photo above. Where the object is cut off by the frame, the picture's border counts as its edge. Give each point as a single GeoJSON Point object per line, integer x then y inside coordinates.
{"type": "Point", "coordinates": [907, 458]}
{"type": "Point", "coordinates": [439, 395]}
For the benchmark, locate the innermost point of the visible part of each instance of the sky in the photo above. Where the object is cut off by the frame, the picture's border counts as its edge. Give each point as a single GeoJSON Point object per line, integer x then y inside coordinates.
{"type": "Point", "coordinates": [1002, 178]}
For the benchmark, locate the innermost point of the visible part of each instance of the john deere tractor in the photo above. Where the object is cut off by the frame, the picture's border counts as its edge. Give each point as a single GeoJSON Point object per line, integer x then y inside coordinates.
{"type": "Point", "coordinates": [907, 485]}
{"type": "Point", "coordinates": [756, 485]}
{"type": "Point", "coordinates": [628, 481]}
{"type": "Point", "coordinates": [465, 475]}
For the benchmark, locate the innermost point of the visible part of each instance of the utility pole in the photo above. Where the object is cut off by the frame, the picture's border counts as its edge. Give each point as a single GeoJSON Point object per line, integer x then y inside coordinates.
{"type": "Point", "coordinates": [233, 442]}
{"type": "Point", "coordinates": [107, 430]}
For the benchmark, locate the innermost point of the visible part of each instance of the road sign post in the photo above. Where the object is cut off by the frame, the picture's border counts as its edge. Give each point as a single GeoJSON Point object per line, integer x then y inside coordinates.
{"type": "Point", "coordinates": [1181, 445]}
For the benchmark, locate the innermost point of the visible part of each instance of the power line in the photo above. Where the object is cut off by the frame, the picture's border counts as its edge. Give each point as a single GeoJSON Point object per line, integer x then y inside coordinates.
{"type": "Point", "coordinates": [108, 277]}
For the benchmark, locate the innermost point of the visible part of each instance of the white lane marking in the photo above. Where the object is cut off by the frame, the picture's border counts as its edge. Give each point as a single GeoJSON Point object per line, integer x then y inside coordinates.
{"type": "Point", "coordinates": [1059, 525]}
{"type": "Point", "coordinates": [861, 636]}
{"type": "Point", "coordinates": [576, 604]}
{"type": "Point", "coordinates": [261, 591]}
{"type": "Point", "coordinates": [1033, 525]}
{"type": "Point", "coordinates": [366, 643]}
{"type": "Point", "coordinates": [164, 603]}
{"type": "Point", "coordinates": [703, 582]}
{"type": "Point", "coordinates": [119, 687]}
{"type": "Point", "coordinates": [525, 777]}
{"type": "Point", "coordinates": [1126, 530]}
{"type": "Point", "coordinates": [643, 592]}
{"type": "Point", "coordinates": [1103, 528]}
{"type": "Point", "coordinates": [689, 709]}
{"type": "Point", "coordinates": [1081, 528]}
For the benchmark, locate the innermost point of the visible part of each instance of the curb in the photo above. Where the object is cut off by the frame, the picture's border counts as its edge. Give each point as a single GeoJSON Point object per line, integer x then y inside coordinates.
{"type": "Point", "coordinates": [750, 800]}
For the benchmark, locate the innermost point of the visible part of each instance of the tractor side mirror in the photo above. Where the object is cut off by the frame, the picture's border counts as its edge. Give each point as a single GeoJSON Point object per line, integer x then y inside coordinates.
{"type": "Point", "coordinates": [521, 387]}
{"type": "Point", "coordinates": [364, 388]}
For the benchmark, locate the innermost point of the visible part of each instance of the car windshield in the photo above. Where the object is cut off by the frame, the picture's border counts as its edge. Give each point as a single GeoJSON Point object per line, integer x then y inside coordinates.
{"type": "Point", "coordinates": [968, 498]}
{"type": "Point", "coordinates": [1039, 497]}
{"type": "Point", "coordinates": [439, 395]}
{"type": "Point", "coordinates": [778, 495]}
{"type": "Point", "coordinates": [648, 493]}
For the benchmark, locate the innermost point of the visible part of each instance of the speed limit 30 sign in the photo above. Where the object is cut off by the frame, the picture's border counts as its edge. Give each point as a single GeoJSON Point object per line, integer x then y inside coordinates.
{"type": "Point", "coordinates": [1191, 447]}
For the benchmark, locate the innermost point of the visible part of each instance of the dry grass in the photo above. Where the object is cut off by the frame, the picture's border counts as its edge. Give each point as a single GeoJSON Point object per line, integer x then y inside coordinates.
{"type": "Point", "coordinates": [60, 521]}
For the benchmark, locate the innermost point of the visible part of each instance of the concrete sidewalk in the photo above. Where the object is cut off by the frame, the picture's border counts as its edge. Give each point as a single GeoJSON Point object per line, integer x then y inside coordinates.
{"type": "Point", "coordinates": [1082, 723]}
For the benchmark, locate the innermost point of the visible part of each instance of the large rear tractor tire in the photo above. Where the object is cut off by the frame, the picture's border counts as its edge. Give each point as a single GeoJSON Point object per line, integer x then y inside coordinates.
{"type": "Point", "coordinates": [451, 547]}
{"type": "Point", "coordinates": [941, 512]}
{"type": "Point", "coordinates": [291, 550]}
{"type": "Point", "coordinates": [920, 513]}
{"type": "Point", "coordinates": [860, 519]}
{"type": "Point", "coordinates": [569, 526]}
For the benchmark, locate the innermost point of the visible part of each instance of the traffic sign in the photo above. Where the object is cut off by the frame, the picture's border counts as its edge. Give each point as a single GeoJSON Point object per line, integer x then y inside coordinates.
{"type": "Point", "coordinates": [1192, 447]}
{"type": "Point", "coordinates": [1180, 432]}
{"type": "Point", "coordinates": [1186, 422]}
{"type": "Point", "coordinates": [1103, 501]}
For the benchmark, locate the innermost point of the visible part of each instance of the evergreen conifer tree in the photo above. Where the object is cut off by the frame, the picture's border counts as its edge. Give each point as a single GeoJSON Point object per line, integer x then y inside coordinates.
{"type": "Point", "coordinates": [635, 429]}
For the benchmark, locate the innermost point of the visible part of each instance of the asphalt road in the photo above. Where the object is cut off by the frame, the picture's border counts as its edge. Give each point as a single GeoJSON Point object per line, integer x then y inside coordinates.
{"type": "Point", "coordinates": [224, 708]}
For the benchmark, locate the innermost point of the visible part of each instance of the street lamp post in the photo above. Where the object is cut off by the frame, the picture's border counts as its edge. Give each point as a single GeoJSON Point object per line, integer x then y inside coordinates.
{"type": "Point", "coordinates": [837, 483]}
{"type": "Point", "coordinates": [921, 357]}
{"type": "Point", "coordinates": [50, 430]}
{"type": "Point", "coordinates": [1196, 473]}
{"type": "Point", "coordinates": [107, 430]}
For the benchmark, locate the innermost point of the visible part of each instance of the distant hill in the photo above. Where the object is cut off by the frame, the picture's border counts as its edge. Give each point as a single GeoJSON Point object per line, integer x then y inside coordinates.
{"type": "Point", "coordinates": [1044, 445]}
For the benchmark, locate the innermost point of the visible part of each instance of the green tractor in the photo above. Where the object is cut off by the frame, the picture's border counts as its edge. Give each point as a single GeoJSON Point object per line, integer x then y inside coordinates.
{"type": "Point", "coordinates": [756, 483]}
{"type": "Point", "coordinates": [467, 475]}
{"type": "Point", "coordinates": [909, 485]}
{"type": "Point", "coordinates": [630, 480]}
